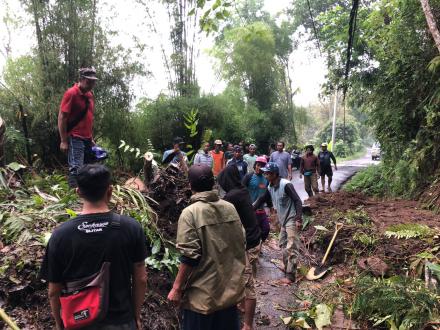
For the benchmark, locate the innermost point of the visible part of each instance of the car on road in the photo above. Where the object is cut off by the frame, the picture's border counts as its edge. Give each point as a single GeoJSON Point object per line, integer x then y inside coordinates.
{"type": "Point", "coordinates": [375, 151]}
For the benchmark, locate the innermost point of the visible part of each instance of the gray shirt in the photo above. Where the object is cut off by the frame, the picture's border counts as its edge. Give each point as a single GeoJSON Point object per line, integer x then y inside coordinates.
{"type": "Point", "coordinates": [283, 160]}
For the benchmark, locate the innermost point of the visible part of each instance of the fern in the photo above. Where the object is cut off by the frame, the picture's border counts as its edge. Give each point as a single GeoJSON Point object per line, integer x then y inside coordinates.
{"type": "Point", "coordinates": [16, 228]}
{"type": "Point", "coordinates": [409, 230]}
{"type": "Point", "coordinates": [401, 302]}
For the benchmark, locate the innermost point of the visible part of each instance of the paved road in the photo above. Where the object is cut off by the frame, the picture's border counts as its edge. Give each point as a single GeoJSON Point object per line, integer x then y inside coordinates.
{"type": "Point", "coordinates": [345, 171]}
{"type": "Point", "coordinates": [274, 299]}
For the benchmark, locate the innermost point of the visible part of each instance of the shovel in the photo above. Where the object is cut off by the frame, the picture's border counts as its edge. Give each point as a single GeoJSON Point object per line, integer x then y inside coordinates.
{"type": "Point", "coordinates": [317, 272]}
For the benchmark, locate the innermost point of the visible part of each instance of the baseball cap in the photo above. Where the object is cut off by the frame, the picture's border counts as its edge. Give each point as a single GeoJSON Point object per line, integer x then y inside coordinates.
{"type": "Point", "coordinates": [261, 159]}
{"type": "Point", "coordinates": [238, 148]}
{"type": "Point", "coordinates": [252, 146]}
{"type": "Point", "coordinates": [218, 142]}
{"type": "Point", "coordinates": [88, 73]}
{"type": "Point", "coordinates": [271, 167]}
{"type": "Point", "coordinates": [178, 140]}
{"type": "Point", "coordinates": [323, 144]}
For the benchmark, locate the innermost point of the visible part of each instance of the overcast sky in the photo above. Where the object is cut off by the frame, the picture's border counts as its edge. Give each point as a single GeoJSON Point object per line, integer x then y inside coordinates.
{"type": "Point", "coordinates": [129, 19]}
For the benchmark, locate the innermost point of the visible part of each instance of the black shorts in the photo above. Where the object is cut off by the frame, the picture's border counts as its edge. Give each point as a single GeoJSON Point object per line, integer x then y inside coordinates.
{"type": "Point", "coordinates": [326, 171]}
{"type": "Point", "coordinates": [225, 319]}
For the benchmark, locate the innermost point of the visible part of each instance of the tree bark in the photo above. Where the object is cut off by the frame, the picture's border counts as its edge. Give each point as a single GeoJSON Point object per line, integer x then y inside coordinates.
{"type": "Point", "coordinates": [2, 142]}
{"type": "Point", "coordinates": [431, 22]}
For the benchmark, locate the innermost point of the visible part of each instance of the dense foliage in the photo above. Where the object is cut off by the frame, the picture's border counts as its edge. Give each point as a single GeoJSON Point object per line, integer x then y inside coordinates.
{"type": "Point", "coordinates": [394, 79]}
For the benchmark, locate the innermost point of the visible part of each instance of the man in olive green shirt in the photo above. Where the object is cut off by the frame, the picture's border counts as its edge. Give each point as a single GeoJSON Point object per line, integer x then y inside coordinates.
{"type": "Point", "coordinates": [211, 240]}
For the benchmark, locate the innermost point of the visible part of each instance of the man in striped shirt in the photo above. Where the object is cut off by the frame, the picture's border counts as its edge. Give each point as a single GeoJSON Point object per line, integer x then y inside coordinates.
{"type": "Point", "coordinates": [204, 156]}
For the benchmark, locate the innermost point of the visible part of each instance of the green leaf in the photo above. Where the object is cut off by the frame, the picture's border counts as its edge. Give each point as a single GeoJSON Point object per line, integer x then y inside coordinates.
{"type": "Point", "coordinates": [156, 247]}
{"type": "Point", "coordinates": [323, 316]}
{"type": "Point", "coordinates": [14, 166]}
{"type": "Point", "coordinates": [72, 213]}
{"type": "Point", "coordinates": [192, 12]}
{"type": "Point", "coordinates": [319, 227]}
{"type": "Point", "coordinates": [122, 144]}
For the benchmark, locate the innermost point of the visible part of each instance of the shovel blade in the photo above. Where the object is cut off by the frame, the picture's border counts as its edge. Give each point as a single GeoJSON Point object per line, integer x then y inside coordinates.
{"type": "Point", "coordinates": [316, 273]}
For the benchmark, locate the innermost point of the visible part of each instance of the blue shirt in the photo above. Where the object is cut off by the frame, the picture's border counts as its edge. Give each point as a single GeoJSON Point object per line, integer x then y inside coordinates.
{"type": "Point", "coordinates": [241, 165]}
{"type": "Point", "coordinates": [283, 160]}
{"type": "Point", "coordinates": [202, 158]}
{"type": "Point", "coordinates": [176, 158]}
{"type": "Point", "coordinates": [257, 186]}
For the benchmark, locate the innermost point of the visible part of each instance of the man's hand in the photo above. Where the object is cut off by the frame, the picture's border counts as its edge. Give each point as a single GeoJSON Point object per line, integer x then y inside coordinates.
{"type": "Point", "coordinates": [138, 324]}
{"type": "Point", "coordinates": [298, 223]}
{"type": "Point", "coordinates": [64, 146]}
{"type": "Point", "coordinates": [93, 142]}
{"type": "Point", "coordinates": [175, 296]}
{"type": "Point", "coordinates": [336, 168]}
{"type": "Point", "coordinates": [289, 177]}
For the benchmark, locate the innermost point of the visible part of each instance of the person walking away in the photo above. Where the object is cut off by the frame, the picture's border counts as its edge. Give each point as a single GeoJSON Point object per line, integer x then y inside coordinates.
{"type": "Point", "coordinates": [229, 180]}
{"type": "Point", "coordinates": [325, 165]}
{"type": "Point", "coordinates": [296, 157]}
{"type": "Point", "coordinates": [204, 156]}
{"type": "Point", "coordinates": [75, 123]}
{"type": "Point", "coordinates": [283, 161]}
{"type": "Point", "coordinates": [310, 168]}
{"type": "Point", "coordinates": [79, 247]}
{"type": "Point", "coordinates": [256, 185]}
{"type": "Point", "coordinates": [289, 207]}
{"type": "Point", "coordinates": [176, 155]}
{"type": "Point", "coordinates": [218, 157]}
{"type": "Point", "coordinates": [211, 241]}
{"type": "Point", "coordinates": [250, 158]}
{"type": "Point", "coordinates": [229, 153]}
{"type": "Point", "coordinates": [237, 160]}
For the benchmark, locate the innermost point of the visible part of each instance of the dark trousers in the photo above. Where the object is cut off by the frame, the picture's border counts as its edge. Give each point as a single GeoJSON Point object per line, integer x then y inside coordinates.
{"type": "Point", "coordinates": [225, 319]}
{"type": "Point", "coordinates": [125, 326]}
{"type": "Point", "coordinates": [80, 153]}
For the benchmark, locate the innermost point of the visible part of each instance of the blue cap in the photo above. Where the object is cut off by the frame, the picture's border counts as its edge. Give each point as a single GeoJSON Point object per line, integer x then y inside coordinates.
{"type": "Point", "coordinates": [99, 152]}
{"type": "Point", "coordinates": [271, 167]}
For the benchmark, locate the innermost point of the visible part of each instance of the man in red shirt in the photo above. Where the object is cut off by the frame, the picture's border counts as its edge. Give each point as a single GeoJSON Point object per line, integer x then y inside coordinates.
{"type": "Point", "coordinates": [75, 122]}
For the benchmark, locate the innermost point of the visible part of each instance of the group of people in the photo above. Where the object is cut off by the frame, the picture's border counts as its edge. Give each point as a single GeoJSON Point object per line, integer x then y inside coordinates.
{"type": "Point", "coordinates": [219, 234]}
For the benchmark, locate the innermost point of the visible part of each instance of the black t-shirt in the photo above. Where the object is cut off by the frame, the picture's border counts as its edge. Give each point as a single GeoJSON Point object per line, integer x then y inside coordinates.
{"type": "Point", "coordinates": [76, 250]}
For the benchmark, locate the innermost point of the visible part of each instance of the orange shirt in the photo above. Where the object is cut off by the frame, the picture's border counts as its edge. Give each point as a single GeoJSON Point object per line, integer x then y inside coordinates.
{"type": "Point", "coordinates": [219, 162]}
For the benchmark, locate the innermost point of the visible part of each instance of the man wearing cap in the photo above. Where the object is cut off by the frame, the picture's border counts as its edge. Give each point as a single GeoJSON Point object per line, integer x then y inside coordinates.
{"type": "Point", "coordinates": [283, 160]}
{"type": "Point", "coordinates": [256, 184]}
{"type": "Point", "coordinates": [237, 160]}
{"type": "Point", "coordinates": [204, 156]}
{"type": "Point", "coordinates": [75, 122]}
{"type": "Point", "coordinates": [211, 241]}
{"type": "Point", "coordinates": [250, 158]}
{"type": "Point", "coordinates": [218, 157]}
{"type": "Point", "coordinates": [289, 208]}
{"type": "Point", "coordinates": [324, 157]}
{"type": "Point", "coordinates": [176, 155]}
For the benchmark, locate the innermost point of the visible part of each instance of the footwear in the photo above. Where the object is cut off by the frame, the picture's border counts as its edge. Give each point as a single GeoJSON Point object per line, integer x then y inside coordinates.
{"type": "Point", "coordinates": [321, 191]}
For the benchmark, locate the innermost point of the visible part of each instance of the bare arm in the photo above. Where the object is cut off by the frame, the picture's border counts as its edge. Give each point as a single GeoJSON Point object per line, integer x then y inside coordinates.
{"type": "Point", "coordinates": [55, 305]}
{"type": "Point", "coordinates": [138, 290]}
{"type": "Point", "coordinates": [62, 129]}
{"type": "Point", "coordinates": [175, 294]}
{"type": "Point", "coordinates": [289, 169]}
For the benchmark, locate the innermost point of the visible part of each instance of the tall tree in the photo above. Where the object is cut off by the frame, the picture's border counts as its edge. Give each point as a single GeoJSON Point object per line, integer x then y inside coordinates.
{"type": "Point", "coordinates": [431, 22]}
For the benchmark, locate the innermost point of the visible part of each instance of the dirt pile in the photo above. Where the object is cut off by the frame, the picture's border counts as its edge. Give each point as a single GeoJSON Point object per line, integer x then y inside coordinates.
{"type": "Point", "coordinates": [367, 230]}
{"type": "Point", "coordinates": [170, 192]}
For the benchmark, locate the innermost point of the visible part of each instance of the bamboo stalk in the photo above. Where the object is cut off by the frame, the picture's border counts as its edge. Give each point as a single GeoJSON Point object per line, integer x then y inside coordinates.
{"type": "Point", "coordinates": [8, 320]}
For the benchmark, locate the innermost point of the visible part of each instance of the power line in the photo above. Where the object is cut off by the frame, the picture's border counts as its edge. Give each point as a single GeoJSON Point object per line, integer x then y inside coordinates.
{"type": "Point", "coordinates": [314, 27]}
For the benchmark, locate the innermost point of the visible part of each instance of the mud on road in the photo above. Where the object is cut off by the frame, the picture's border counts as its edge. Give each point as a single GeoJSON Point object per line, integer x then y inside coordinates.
{"type": "Point", "coordinates": [349, 258]}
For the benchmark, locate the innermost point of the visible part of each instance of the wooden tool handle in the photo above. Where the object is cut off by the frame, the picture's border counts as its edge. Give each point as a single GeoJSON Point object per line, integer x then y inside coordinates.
{"type": "Point", "coordinates": [7, 320]}
{"type": "Point", "coordinates": [337, 228]}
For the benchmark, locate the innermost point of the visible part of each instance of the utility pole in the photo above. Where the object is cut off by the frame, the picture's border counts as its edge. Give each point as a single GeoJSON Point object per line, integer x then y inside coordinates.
{"type": "Point", "coordinates": [335, 108]}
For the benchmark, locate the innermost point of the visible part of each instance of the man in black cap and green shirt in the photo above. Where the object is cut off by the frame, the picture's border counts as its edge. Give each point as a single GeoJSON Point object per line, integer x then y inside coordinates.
{"type": "Point", "coordinates": [75, 122]}
{"type": "Point", "coordinates": [211, 241]}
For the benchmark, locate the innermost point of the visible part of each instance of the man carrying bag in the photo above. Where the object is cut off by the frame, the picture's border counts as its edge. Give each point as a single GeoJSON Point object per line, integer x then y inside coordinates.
{"type": "Point", "coordinates": [94, 263]}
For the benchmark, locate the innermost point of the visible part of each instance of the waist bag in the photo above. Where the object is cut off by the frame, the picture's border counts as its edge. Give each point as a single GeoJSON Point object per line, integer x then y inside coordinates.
{"type": "Point", "coordinates": [308, 173]}
{"type": "Point", "coordinates": [85, 301]}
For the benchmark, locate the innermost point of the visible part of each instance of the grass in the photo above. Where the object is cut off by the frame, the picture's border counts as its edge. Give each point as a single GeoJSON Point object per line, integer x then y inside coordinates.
{"type": "Point", "coordinates": [361, 153]}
